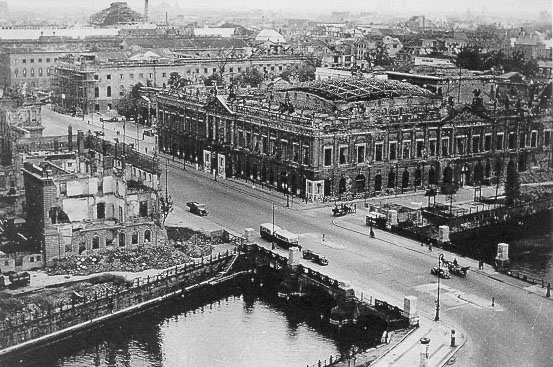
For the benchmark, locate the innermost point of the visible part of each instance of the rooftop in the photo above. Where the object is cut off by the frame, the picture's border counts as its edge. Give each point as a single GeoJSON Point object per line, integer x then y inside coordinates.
{"type": "Point", "coordinates": [359, 89]}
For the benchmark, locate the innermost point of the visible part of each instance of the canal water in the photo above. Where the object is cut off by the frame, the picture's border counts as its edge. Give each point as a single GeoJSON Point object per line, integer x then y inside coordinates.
{"type": "Point", "coordinates": [239, 327]}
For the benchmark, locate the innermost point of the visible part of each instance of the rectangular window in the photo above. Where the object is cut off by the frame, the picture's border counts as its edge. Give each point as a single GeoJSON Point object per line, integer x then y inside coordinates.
{"type": "Point", "coordinates": [205, 70]}
{"type": "Point", "coordinates": [101, 210]}
{"type": "Point", "coordinates": [499, 142]}
{"type": "Point", "coordinates": [39, 60]}
{"type": "Point", "coordinates": [47, 59]}
{"type": "Point", "coordinates": [547, 138]}
{"type": "Point", "coordinates": [512, 140]}
{"type": "Point", "coordinates": [475, 144]}
{"type": "Point", "coordinates": [96, 77]}
{"type": "Point", "coordinates": [343, 155]}
{"type": "Point", "coordinates": [328, 156]}
{"type": "Point", "coordinates": [522, 140]}
{"type": "Point", "coordinates": [231, 70]}
{"type": "Point", "coordinates": [360, 153]}
{"type": "Point", "coordinates": [32, 61]}
{"type": "Point", "coordinates": [140, 75]}
{"type": "Point", "coordinates": [420, 148]}
{"type": "Point", "coordinates": [460, 141]}
{"type": "Point", "coordinates": [534, 139]}
{"type": "Point", "coordinates": [108, 77]}
{"type": "Point", "coordinates": [121, 76]}
{"type": "Point", "coordinates": [488, 142]}
{"type": "Point", "coordinates": [406, 149]}
{"type": "Point", "coordinates": [432, 145]}
{"type": "Point", "coordinates": [378, 152]}
{"type": "Point", "coordinates": [63, 188]}
{"type": "Point", "coordinates": [393, 150]}
{"type": "Point", "coordinates": [164, 75]}
{"type": "Point", "coordinates": [445, 147]}
{"type": "Point", "coordinates": [24, 61]}
{"type": "Point", "coordinates": [131, 76]}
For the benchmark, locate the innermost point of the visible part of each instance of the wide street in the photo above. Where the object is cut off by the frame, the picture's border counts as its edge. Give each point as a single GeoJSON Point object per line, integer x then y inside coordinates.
{"type": "Point", "coordinates": [516, 331]}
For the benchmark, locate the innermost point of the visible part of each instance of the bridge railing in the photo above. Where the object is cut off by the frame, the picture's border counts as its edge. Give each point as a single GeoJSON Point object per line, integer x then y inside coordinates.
{"type": "Point", "coordinates": [27, 326]}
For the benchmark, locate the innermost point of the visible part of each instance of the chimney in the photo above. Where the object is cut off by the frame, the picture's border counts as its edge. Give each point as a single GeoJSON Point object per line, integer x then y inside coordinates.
{"type": "Point", "coordinates": [146, 9]}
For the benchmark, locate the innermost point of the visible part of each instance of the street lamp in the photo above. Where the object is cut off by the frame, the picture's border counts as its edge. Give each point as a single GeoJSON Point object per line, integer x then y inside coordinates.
{"type": "Point", "coordinates": [437, 318]}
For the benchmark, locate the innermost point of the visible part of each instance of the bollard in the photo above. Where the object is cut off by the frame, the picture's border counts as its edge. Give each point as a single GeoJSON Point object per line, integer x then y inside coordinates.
{"type": "Point", "coordinates": [452, 338]}
{"type": "Point", "coordinates": [493, 301]}
{"type": "Point", "coordinates": [548, 294]}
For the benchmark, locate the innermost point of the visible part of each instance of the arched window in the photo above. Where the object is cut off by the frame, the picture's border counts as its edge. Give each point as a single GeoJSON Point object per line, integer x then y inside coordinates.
{"type": "Point", "coordinates": [15, 72]}
{"type": "Point", "coordinates": [134, 238]}
{"type": "Point", "coordinates": [448, 175]}
{"type": "Point", "coordinates": [24, 72]}
{"type": "Point", "coordinates": [432, 176]}
{"type": "Point", "coordinates": [147, 236]}
{"type": "Point", "coordinates": [405, 179]}
{"type": "Point", "coordinates": [108, 91]}
{"type": "Point", "coordinates": [360, 183]}
{"type": "Point", "coordinates": [342, 185]}
{"type": "Point", "coordinates": [32, 71]}
{"type": "Point", "coordinates": [391, 179]}
{"type": "Point", "coordinates": [39, 71]}
{"type": "Point", "coordinates": [378, 182]}
{"type": "Point", "coordinates": [418, 177]}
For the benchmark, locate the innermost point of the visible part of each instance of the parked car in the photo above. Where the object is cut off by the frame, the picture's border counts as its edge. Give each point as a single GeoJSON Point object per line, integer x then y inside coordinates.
{"type": "Point", "coordinates": [197, 208]}
{"type": "Point", "coordinates": [440, 272]}
{"type": "Point", "coordinates": [315, 257]}
{"type": "Point", "coordinates": [19, 280]}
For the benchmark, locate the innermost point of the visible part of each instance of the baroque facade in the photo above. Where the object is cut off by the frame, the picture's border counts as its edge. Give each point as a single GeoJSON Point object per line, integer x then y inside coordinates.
{"type": "Point", "coordinates": [360, 137]}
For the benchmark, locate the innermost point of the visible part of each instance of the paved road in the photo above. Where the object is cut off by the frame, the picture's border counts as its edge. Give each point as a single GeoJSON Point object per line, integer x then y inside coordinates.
{"type": "Point", "coordinates": [516, 331]}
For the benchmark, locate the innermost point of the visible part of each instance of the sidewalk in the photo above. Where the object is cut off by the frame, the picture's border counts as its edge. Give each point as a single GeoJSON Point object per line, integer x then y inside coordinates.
{"type": "Point", "coordinates": [408, 351]}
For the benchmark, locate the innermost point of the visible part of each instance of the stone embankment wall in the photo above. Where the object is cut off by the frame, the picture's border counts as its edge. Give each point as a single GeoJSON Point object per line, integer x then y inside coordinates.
{"type": "Point", "coordinates": [31, 330]}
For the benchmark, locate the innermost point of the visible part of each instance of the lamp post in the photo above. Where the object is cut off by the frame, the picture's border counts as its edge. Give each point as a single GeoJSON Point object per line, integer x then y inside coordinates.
{"type": "Point", "coordinates": [437, 318]}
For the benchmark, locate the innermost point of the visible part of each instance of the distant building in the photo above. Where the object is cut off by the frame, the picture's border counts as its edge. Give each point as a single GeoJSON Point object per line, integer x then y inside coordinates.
{"type": "Point", "coordinates": [98, 81]}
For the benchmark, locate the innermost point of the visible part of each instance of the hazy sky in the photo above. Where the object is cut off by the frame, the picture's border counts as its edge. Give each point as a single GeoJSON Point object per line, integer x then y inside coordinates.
{"type": "Point", "coordinates": [414, 6]}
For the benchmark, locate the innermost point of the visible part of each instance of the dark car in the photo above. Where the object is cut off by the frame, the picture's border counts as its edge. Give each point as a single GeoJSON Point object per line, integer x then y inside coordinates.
{"type": "Point", "coordinates": [440, 272]}
{"type": "Point", "coordinates": [197, 208]}
{"type": "Point", "coordinates": [316, 258]}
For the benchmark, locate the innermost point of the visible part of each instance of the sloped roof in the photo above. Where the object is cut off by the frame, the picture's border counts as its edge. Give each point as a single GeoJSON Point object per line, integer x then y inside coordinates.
{"type": "Point", "coordinates": [355, 89]}
{"type": "Point", "coordinates": [270, 35]}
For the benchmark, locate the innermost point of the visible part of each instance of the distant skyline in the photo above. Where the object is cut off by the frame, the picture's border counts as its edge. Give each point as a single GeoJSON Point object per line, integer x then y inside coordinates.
{"type": "Point", "coordinates": [476, 7]}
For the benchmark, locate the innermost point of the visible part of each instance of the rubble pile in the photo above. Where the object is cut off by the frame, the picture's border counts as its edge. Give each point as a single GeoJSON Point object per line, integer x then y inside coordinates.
{"type": "Point", "coordinates": [132, 260]}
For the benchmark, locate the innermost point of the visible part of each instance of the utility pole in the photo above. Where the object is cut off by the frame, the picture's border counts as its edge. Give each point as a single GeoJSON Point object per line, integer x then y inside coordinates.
{"type": "Point", "coordinates": [166, 177]}
{"type": "Point", "coordinates": [437, 318]}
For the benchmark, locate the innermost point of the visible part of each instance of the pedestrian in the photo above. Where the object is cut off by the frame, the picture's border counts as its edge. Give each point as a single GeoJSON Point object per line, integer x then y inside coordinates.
{"type": "Point", "coordinates": [354, 208]}
{"type": "Point", "coordinates": [429, 246]}
{"type": "Point", "coordinates": [371, 233]}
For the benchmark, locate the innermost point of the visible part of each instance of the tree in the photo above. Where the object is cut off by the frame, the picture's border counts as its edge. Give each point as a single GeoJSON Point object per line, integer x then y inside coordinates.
{"type": "Point", "coordinates": [213, 79]}
{"type": "Point", "coordinates": [128, 105]}
{"type": "Point", "coordinates": [251, 77]}
{"type": "Point", "coordinates": [305, 72]}
{"type": "Point", "coordinates": [165, 207]}
{"type": "Point", "coordinates": [512, 184]}
{"type": "Point", "coordinates": [470, 58]}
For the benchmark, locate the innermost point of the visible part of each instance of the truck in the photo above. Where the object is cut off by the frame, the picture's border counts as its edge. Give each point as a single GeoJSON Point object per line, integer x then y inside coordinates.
{"type": "Point", "coordinates": [197, 208]}
{"type": "Point", "coordinates": [315, 257]}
